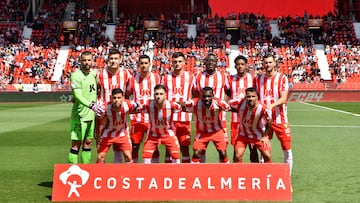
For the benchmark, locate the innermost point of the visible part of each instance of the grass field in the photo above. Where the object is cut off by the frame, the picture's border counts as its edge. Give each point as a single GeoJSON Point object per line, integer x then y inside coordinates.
{"type": "Point", "coordinates": [326, 151]}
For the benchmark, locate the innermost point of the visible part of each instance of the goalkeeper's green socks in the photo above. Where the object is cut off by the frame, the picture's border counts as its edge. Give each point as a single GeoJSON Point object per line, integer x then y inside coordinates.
{"type": "Point", "coordinates": [73, 156]}
{"type": "Point", "coordinates": [86, 155]}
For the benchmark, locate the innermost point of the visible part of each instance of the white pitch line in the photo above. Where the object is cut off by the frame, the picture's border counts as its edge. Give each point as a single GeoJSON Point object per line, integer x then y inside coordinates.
{"type": "Point", "coordinates": [331, 109]}
{"type": "Point", "coordinates": [324, 126]}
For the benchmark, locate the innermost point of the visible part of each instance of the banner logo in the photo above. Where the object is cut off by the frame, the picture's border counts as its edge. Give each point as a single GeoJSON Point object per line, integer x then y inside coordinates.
{"type": "Point", "coordinates": [67, 178]}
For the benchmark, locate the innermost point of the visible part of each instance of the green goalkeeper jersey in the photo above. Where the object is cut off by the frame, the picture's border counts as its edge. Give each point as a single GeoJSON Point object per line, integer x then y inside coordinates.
{"type": "Point", "coordinates": [84, 91]}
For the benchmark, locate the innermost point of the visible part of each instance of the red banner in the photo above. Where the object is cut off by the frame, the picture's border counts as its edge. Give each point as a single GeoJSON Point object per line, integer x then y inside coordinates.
{"type": "Point", "coordinates": [232, 23]}
{"type": "Point", "coordinates": [174, 182]}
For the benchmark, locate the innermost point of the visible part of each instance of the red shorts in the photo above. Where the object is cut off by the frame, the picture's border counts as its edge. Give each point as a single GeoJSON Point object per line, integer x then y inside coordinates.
{"type": "Point", "coordinates": [234, 132]}
{"type": "Point", "coordinates": [283, 133]}
{"type": "Point", "coordinates": [202, 139]}
{"type": "Point", "coordinates": [123, 143]}
{"type": "Point", "coordinates": [152, 143]}
{"type": "Point", "coordinates": [183, 132]}
{"type": "Point", "coordinates": [242, 142]}
{"type": "Point", "coordinates": [137, 131]}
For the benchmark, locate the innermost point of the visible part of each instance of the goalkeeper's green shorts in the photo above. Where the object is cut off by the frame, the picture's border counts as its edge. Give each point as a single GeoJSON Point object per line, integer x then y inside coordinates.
{"type": "Point", "coordinates": [81, 130]}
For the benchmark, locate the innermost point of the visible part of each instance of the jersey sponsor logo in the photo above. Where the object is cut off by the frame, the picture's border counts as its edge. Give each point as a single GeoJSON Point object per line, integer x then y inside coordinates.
{"type": "Point", "coordinates": [208, 119]}
{"type": "Point", "coordinates": [268, 93]}
{"type": "Point", "coordinates": [178, 90]}
{"type": "Point", "coordinates": [92, 87]}
{"type": "Point", "coordinates": [160, 123]}
{"type": "Point", "coordinates": [145, 92]}
{"type": "Point", "coordinates": [247, 122]}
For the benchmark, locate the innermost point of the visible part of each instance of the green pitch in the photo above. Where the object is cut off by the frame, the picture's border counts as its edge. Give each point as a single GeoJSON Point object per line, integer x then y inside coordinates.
{"type": "Point", "coordinates": [326, 153]}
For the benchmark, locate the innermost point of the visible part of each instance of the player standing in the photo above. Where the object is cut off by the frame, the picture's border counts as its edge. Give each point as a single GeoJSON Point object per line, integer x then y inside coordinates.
{"type": "Point", "coordinates": [112, 76]}
{"type": "Point", "coordinates": [82, 121]}
{"type": "Point", "coordinates": [273, 88]}
{"type": "Point", "coordinates": [210, 77]}
{"type": "Point", "coordinates": [238, 84]}
{"type": "Point", "coordinates": [179, 84]}
{"type": "Point", "coordinates": [141, 88]}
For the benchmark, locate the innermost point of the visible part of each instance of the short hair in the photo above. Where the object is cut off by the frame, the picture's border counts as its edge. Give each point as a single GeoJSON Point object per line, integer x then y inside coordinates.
{"type": "Point", "coordinates": [85, 53]}
{"type": "Point", "coordinates": [241, 57]}
{"type": "Point", "coordinates": [144, 56]}
{"type": "Point", "coordinates": [178, 54]}
{"type": "Point", "coordinates": [160, 86]}
{"type": "Point", "coordinates": [208, 56]}
{"type": "Point", "coordinates": [253, 89]}
{"type": "Point", "coordinates": [116, 91]}
{"type": "Point", "coordinates": [269, 56]}
{"type": "Point", "coordinates": [114, 51]}
{"type": "Point", "coordinates": [207, 89]}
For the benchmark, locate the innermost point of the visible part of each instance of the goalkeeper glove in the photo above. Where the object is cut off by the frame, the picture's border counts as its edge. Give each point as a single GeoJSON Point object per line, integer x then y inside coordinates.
{"type": "Point", "coordinates": [97, 109]}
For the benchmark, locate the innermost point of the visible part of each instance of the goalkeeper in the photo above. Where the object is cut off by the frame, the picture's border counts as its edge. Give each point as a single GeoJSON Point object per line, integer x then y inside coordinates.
{"type": "Point", "coordinates": [83, 85]}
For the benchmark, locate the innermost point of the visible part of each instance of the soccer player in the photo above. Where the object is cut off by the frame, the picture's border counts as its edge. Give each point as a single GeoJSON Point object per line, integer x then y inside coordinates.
{"type": "Point", "coordinates": [162, 128]}
{"type": "Point", "coordinates": [255, 122]}
{"type": "Point", "coordinates": [210, 77]}
{"type": "Point", "coordinates": [141, 88]}
{"type": "Point", "coordinates": [238, 84]}
{"type": "Point", "coordinates": [83, 85]}
{"type": "Point", "coordinates": [179, 84]}
{"type": "Point", "coordinates": [110, 77]}
{"type": "Point", "coordinates": [273, 89]}
{"type": "Point", "coordinates": [209, 124]}
{"type": "Point", "coordinates": [115, 129]}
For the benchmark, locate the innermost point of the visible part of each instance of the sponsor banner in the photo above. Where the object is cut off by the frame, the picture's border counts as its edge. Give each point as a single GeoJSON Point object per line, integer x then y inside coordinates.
{"type": "Point", "coordinates": [175, 182]}
{"type": "Point", "coordinates": [151, 24]}
{"type": "Point", "coordinates": [232, 23]}
{"type": "Point", "coordinates": [69, 24]}
{"type": "Point", "coordinates": [315, 22]}
{"type": "Point", "coordinates": [324, 96]}
{"type": "Point", "coordinates": [29, 87]}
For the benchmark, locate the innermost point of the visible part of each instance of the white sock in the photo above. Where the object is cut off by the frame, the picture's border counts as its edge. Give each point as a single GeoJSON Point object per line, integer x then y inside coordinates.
{"type": "Point", "coordinates": [118, 157]}
{"type": "Point", "coordinates": [177, 161]}
{"type": "Point", "coordinates": [147, 160]}
{"type": "Point", "coordinates": [261, 159]}
{"type": "Point", "coordinates": [288, 158]}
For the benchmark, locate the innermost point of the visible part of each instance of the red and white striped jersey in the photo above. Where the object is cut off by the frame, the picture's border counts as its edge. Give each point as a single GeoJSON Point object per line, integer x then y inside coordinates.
{"type": "Point", "coordinates": [179, 89]}
{"type": "Point", "coordinates": [269, 90]}
{"type": "Point", "coordinates": [207, 119]}
{"type": "Point", "coordinates": [218, 81]}
{"type": "Point", "coordinates": [252, 121]}
{"type": "Point", "coordinates": [142, 90]}
{"type": "Point", "coordinates": [108, 81]}
{"type": "Point", "coordinates": [238, 85]}
{"type": "Point", "coordinates": [115, 121]}
{"type": "Point", "coordinates": [161, 120]}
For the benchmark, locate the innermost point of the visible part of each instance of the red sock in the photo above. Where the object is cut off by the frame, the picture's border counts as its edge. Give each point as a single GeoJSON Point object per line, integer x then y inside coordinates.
{"type": "Point", "coordinates": [226, 160]}
{"type": "Point", "coordinates": [195, 160]}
